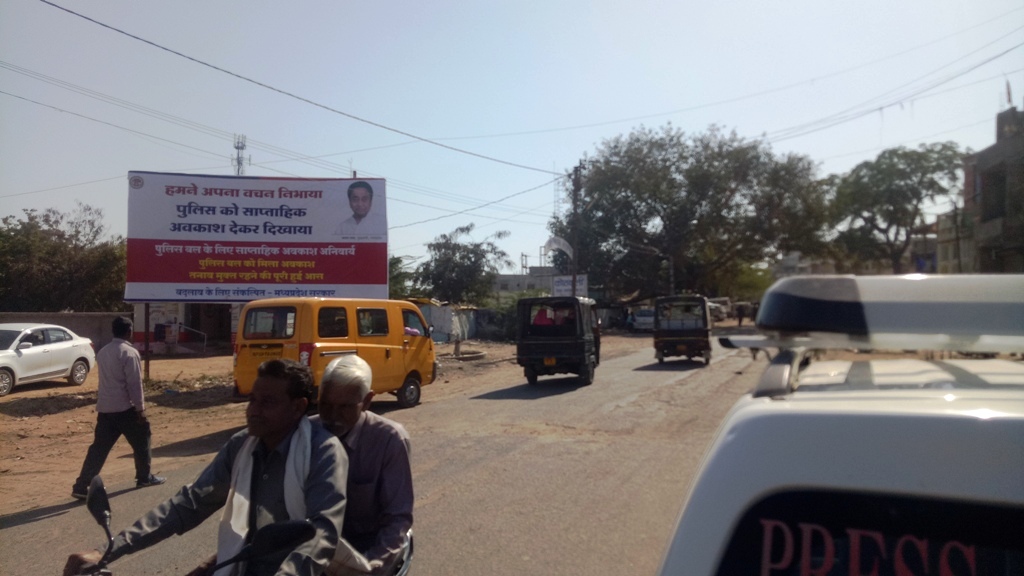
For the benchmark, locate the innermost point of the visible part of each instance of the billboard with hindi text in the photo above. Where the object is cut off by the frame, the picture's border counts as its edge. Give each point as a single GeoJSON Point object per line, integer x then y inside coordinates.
{"type": "Point", "coordinates": [203, 238]}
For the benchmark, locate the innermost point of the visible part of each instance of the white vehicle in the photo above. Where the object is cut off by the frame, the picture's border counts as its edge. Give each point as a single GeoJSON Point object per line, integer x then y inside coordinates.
{"type": "Point", "coordinates": [871, 444]}
{"type": "Point", "coordinates": [643, 320]}
{"type": "Point", "coordinates": [36, 352]}
{"type": "Point", "coordinates": [717, 312]}
{"type": "Point", "coordinates": [725, 303]}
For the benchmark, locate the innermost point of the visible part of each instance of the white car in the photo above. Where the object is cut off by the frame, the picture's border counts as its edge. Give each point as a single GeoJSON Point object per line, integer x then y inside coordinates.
{"type": "Point", "coordinates": [875, 442]}
{"type": "Point", "coordinates": [643, 320]}
{"type": "Point", "coordinates": [35, 352]}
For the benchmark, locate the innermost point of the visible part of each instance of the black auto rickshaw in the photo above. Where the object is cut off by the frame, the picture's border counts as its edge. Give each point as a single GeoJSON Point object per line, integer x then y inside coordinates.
{"type": "Point", "coordinates": [557, 335]}
{"type": "Point", "coordinates": [682, 327]}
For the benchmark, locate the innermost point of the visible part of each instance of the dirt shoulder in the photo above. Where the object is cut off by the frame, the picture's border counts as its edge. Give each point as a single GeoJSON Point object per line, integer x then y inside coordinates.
{"type": "Point", "coordinates": [46, 427]}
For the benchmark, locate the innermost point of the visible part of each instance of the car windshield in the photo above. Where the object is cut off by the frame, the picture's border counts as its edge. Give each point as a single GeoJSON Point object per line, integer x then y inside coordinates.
{"type": "Point", "coordinates": [7, 338]}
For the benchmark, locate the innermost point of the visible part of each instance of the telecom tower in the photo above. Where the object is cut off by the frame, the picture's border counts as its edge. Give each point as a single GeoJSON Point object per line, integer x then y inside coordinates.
{"type": "Point", "coordinates": [239, 160]}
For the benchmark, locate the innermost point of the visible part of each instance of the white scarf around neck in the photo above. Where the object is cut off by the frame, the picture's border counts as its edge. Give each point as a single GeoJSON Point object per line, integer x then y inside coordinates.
{"type": "Point", "coordinates": [234, 522]}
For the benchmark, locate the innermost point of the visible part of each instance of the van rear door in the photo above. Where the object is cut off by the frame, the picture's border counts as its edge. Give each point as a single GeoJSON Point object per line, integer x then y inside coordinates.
{"type": "Point", "coordinates": [266, 333]}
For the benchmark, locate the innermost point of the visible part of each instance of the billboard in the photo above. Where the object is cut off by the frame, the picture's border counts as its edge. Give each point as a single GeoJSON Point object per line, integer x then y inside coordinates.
{"type": "Point", "coordinates": [201, 238]}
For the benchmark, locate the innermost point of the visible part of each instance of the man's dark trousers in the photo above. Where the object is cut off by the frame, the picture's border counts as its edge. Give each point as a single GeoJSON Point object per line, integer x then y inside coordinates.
{"type": "Point", "coordinates": [109, 427]}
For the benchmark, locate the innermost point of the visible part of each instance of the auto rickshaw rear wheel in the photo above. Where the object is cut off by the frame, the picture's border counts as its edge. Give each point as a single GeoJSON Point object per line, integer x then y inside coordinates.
{"type": "Point", "coordinates": [531, 376]}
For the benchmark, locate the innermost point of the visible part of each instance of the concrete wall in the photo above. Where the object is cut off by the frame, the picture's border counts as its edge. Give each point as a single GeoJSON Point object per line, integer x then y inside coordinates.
{"type": "Point", "coordinates": [92, 325]}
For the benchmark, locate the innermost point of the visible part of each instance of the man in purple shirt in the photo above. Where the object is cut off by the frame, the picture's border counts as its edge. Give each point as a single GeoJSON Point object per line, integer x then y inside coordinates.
{"type": "Point", "coordinates": [122, 410]}
{"type": "Point", "coordinates": [380, 498]}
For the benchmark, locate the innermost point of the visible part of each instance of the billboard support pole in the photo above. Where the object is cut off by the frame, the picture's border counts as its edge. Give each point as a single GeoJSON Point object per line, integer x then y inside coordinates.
{"type": "Point", "coordinates": [145, 344]}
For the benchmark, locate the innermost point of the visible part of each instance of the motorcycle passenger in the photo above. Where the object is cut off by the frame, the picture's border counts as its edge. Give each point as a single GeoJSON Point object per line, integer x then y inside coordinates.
{"type": "Point", "coordinates": [380, 496]}
{"type": "Point", "coordinates": [281, 467]}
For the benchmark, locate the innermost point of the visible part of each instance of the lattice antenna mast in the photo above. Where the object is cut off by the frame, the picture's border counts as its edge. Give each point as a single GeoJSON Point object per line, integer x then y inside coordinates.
{"type": "Point", "coordinates": [239, 160]}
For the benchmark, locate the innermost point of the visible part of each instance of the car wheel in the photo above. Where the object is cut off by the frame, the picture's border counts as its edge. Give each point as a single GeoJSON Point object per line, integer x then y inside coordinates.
{"type": "Point", "coordinates": [79, 372]}
{"type": "Point", "coordinates": [6, 382]}
{"type": "Point", "coordinates": [409, 393]}
{"type": "Point", "coordinates": [587, 373]}
{"type": "Point", "coordinates": [531, 376]}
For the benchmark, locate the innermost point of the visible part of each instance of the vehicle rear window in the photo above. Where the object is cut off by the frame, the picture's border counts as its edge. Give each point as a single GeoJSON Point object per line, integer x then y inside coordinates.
{"type": "Point", "coordinates": [680, 316]}
{"type": "Point", "coordinates": [557, 320]}
{"type": "Point", "coordinates": [273, 323]}
{"type": "Point", "coordinates": [57, 335]}
{"type": "Point", "coordinates": [332, 323]}
{"type": "Point", "coordinates": [839, 533]}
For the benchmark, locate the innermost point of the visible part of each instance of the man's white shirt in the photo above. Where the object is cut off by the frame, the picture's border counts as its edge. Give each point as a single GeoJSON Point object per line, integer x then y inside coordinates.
{"type": "Point", "coordinates": [371, 225]}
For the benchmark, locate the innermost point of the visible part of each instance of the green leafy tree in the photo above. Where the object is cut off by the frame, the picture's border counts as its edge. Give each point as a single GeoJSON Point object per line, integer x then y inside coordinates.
{"type": "Point", "coordinates": [400, 279]}
{"type": "Point", "coordinates": [52, 261]}
{"type": "Point", "coordinates": [880, 202]}
{"type": "Point", "coordinates": [461, 271]}
{"type": "Point", "coordinates": [659, 207]}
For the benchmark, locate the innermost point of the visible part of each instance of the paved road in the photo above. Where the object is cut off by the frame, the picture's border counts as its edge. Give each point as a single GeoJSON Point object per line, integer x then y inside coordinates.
{"type": "Point", "coordinates": [510, 478]}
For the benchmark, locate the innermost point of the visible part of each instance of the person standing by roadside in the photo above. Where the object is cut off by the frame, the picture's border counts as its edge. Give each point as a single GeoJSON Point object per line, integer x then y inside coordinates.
{"type": "Point", "coordinates": [121, 411]}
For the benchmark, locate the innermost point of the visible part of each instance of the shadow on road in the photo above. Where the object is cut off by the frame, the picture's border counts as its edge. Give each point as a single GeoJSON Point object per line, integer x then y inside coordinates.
{"type": "Point", "coordinates": [46, 512]}
{"type": "Point", "coordinates": [207, 444]}
{"type": "Point", "coordinates": [44, 406]}
{"type": "Point", "coordinates": [681, 364]}
{"type": "Point", "coordinates": [542, 389]}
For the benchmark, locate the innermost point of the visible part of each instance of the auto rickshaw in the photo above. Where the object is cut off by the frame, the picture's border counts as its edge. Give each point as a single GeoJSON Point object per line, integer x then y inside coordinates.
{"type": "Point", "coordinates": [682, 327]}
{"type": "Point", "coordinates": [557, 335]}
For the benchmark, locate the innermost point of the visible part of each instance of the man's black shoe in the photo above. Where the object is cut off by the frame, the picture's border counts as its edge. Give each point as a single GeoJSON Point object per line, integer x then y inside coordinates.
{"type": "Point", "coordinates": [151, 481]}
{"type": "Point", "coordinates": [78, 494]}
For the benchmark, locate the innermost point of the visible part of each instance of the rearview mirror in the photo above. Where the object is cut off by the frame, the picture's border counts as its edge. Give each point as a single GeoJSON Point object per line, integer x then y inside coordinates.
{"type": "Point", "coordinates": [97, 502]}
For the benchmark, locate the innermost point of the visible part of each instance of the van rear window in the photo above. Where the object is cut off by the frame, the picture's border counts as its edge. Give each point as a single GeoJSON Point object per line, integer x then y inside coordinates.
{"type": "Point", "coordinates": [275, 323]}
{"type": "Point", "coordinates": [332, 323]}
{"type": "Point", "coordinates": [841, 533]}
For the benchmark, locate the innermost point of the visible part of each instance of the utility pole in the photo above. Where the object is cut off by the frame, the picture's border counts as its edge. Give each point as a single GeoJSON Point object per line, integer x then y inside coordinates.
{"type": "Point", "coordinates": [956, 229]}
{"type": "Point", "coordinates": [239, 159]}
{"type": "Point", "coordinates": [576, 172]}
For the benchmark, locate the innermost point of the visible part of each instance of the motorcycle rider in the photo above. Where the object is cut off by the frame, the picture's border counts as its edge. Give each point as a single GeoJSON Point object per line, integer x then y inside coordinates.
{"type": "Point", "coordinates": [281, 467]}
{"type": "Point", "coordinates": [379, 514]}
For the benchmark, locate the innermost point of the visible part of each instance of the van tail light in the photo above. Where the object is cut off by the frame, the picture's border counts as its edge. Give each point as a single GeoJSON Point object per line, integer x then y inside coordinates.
{"type": "Point", "coordinates": [305, 352]}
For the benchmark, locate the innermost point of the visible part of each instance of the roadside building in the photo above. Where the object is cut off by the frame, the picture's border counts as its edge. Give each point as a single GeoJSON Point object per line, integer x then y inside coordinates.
{"type": "Point", "coordinates": [994, 200]}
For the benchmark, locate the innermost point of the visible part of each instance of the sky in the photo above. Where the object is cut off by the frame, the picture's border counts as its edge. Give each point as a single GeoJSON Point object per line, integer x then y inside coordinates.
{"type": "Point", "coordinates": [474, 111]}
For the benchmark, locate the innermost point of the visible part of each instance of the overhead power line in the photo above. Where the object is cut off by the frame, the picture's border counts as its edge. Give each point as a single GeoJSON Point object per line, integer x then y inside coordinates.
{"type": "Point", "coordinates": [480, 206]}
{"type": "Point", "coordinates": [301, 98]}
{"type": "Point", "coordinates": [868, 107]}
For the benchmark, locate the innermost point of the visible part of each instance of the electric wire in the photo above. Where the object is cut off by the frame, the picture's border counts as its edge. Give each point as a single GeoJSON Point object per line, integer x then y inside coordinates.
{"type": "Point", "coordinates": [303, 99]}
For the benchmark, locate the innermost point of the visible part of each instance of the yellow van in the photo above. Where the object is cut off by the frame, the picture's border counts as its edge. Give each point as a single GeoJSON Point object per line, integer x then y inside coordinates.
{"type": "Point", "coordinates": [390, 335]}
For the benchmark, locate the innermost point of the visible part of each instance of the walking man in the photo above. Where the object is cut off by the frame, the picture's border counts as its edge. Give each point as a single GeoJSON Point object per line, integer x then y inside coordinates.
{"type": "Point", "coordinates": [122, 411]}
